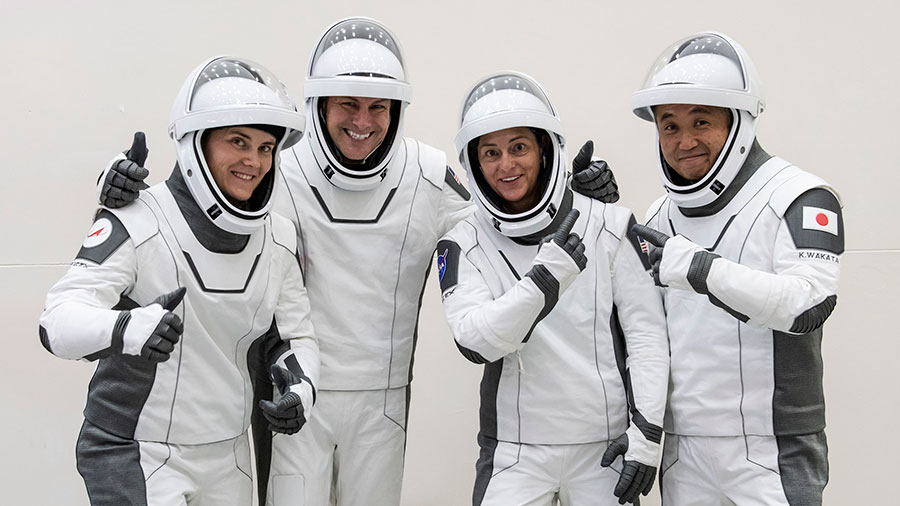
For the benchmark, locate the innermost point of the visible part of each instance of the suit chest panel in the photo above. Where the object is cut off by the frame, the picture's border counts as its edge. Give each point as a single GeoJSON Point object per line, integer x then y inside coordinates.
{"type": "Point", "coordinates": [744, 231]}
{"type": "Point", "coordinates": [230, 296]}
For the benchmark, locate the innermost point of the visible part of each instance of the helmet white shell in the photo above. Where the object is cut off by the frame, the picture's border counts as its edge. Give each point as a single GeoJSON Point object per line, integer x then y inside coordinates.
{"type": "Point", "coordinates": [508, 100]}
{"type": "Point", "coordinates": [356, 57]}
{"type": "Point", "coordinates": [227, 91]}
{"type": "Point", "coordinates": [705, 69]}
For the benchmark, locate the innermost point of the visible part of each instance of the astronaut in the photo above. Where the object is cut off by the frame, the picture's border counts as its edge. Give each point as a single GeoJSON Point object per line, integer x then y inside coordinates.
{"type": "Point", "coordinates": [570, 329]}
{"type": "Point", "coordinates": [204, 275]}
{"type": "Point", "coordinates": [747, 247]}
{"type": "Point", "coordinates": [370, 206]}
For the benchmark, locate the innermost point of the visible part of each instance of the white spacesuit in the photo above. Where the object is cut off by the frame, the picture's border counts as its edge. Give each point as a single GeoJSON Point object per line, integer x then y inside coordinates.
{"type": "Point", "coordinates": [576, 362]}
{"type": "Point", "coordinates": [166, 418]}
{"type": "Point", "coordinates": [367, 234]}
{"type": "Point", "coordinates": [752, 273]}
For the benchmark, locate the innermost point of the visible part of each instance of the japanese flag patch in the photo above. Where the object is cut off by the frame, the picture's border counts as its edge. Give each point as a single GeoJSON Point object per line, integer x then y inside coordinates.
{"type": "Point", "coordinates": [816, 218]}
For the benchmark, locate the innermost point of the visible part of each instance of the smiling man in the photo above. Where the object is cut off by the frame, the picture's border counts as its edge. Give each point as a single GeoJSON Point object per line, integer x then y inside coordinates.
{"type": "Point", "coordinates": [747, 248]}
{"type": "Point", "coordinates": [357, 125]}
{"type": "Point", "coordinates": [691, 137]}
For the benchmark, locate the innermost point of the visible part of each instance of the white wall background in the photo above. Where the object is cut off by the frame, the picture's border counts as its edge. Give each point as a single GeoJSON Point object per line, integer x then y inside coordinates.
{"type": "Point", "coordinates": [79, 77]}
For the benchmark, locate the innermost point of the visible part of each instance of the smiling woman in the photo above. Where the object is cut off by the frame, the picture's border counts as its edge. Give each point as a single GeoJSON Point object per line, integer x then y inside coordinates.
{"type": "Point", "coordinates": [238, 157]}
{"type": "Point", "coordinates": [195, 285]}
{"type": "Point", "coordinates": [510, 161]}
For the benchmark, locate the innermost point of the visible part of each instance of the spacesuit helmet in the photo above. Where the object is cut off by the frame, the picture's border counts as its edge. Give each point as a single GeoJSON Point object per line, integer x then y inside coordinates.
{"type": "Point", "coordinates": [356, 57]}
{"type": "Point", "coordinates": [227, 91]}
{"type": "Point", "coordinates": [705, 69]}
{"type": "Point", "coordinates": [508, 100]}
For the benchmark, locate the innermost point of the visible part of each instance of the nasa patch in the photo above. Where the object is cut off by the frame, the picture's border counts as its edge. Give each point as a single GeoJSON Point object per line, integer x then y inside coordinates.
{"type": "Point", "coordinates": [442, 264]}
{"type": "Point", "coordinates": [448, 264]}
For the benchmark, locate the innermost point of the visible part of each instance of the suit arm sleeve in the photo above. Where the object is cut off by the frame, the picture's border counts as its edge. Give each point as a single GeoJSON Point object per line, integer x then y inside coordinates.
{"type": "Point", "coordinates": [485, 329]}
{"type": "Point", "coordinates": [643, 323]}
{"type": "Point", "coordinates": [294, 324]}
{"type": "Point", "coordinates": [801, 293]}
{"type": "Point", "coordinates": [77, 320]}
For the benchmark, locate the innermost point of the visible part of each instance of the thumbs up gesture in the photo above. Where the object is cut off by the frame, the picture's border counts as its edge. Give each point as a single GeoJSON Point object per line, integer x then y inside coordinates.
{"type": "Point", "coordinates": [124, 178]}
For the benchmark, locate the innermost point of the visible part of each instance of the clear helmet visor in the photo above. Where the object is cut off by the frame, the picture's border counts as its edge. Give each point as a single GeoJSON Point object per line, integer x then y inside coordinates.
{"type": "Point", "coordinates": [357, 46]}
{"type": "Point", "coordinates": [358, 57]}
{"type": "Point", "coordinates": [504, 101]}
{"type": "Point", "coordinates": [230, 91]}
{"type": "Point", "coordinates": [502, 93]}
{"type": "Point", "coordinates": [708, 69]}
{"type": "Point", "coordinates": [221, 84]}
{"type": "Point", "coordinates": [699, 59]}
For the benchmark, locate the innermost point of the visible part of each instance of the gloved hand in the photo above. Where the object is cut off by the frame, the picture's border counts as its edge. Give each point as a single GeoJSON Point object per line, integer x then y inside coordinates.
{"type": "Point", "coordinates": [593, 178]}
{"type": "Point", "coordinates": [152, 331]}
{"type": "Point", "coordinates": [657, 241]}
{"type": "Point", "coordinates": [677, 262]}
{"type": "Point", "coordinates": [124, 177]}
{"type": "Point", "coordinates": [288, 415]}
{"type": "Point", "coordinates": [559, 260]}
{"type": "Point", "coordinates": [639, 457]}
{"type": "Point", "coordinates": [569, 242]}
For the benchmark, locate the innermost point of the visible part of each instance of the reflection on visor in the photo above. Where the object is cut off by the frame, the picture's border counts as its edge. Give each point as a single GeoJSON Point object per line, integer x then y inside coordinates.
{"type": "Point", "coordinates": [709, 44]}
{"type": "Point", "coordinates": [506, 82]}
{"type": "Point", "coordinates": [358, 29]}
{"type": "Point", "coordinates": [231, 68]}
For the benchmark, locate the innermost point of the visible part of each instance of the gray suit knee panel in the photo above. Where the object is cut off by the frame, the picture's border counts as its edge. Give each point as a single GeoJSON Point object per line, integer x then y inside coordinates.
{"type": "Point", "coordinates": [111, 468]}
{"type": "Point", "coordinates": [803, 462]}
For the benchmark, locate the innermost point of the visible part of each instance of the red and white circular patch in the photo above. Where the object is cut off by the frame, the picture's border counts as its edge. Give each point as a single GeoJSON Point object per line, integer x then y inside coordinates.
{"type": "Point", "coordinates": [821, 219]}
{"type": "Point", "coordinates": [100, 231]}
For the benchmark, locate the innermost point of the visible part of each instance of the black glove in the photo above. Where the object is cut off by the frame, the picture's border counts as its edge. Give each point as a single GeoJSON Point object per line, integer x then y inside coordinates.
{"type": "Point", "coordinates": [160, 342]}
{"type": "Point", "coordinates": [635, 479]}
{"type": "Point", "coordinates": [125, 178]}
{"type": "Point", "coordinates": [593, 178]}
{"type": "Point", "coordinates": [287, 415]}
{"type": "Point", "coordinates": [657, 240]}
{"type": "Point", "coordinates": [568, 241]}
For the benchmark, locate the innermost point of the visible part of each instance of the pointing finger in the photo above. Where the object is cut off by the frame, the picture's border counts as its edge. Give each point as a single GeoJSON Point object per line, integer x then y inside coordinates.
{"type": "Point", "coordinates": [562, 233]}
{"type": "Point", "coordinates": [654, 237]}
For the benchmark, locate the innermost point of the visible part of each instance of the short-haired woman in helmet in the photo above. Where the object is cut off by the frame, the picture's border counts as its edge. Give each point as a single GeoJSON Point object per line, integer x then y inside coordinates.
{"type": "Point", "coordinates": [183, 296]}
